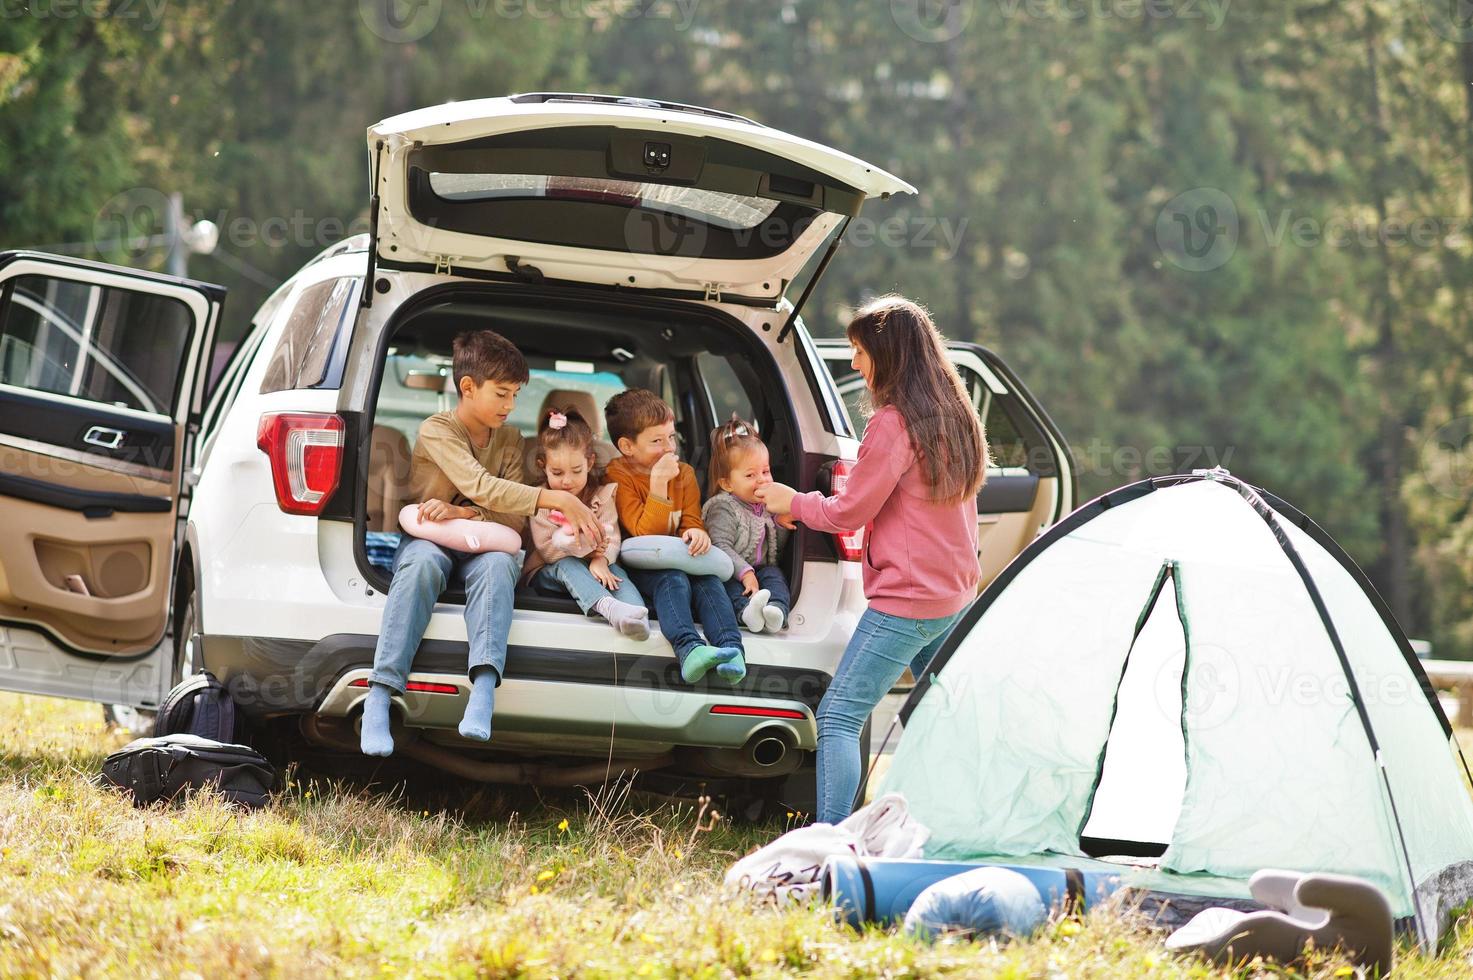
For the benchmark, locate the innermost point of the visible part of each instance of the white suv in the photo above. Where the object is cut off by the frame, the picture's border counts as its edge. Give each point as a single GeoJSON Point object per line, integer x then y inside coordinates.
{"type": "Point", "coordinates": [153, 531]}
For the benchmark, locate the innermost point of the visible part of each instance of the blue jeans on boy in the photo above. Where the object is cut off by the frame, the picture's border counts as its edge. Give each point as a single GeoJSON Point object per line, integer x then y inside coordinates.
{"type": "Point", "coordinates": [769, 577]}
{"type": "Point", "coordinates": [673, 592]}
{"type": "Point", "coordinates": [882, 646]}
{"type": "Point", "coordinates": [573, 576]}
{"type": "Point", "coordinates": [422, 570]}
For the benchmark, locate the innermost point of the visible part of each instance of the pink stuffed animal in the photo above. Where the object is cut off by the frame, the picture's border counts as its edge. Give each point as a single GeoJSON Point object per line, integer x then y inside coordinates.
{"type": "Point", "coordinates": [475, 537]}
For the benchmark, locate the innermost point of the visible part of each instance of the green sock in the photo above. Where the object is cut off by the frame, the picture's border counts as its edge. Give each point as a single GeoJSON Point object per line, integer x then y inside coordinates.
{"type": "Point", "coordinates": [732, 671]}
{"type": "Point", "coordinates": [701, 659]}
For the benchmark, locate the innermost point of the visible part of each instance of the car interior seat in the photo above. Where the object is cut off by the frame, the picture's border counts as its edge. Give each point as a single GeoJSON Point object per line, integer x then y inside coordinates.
{"type": "Point", "coordinates": [563, 399]}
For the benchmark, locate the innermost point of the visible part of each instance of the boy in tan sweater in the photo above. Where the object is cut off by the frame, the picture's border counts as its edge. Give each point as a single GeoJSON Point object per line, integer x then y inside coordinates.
{"type": "Point", "coordinates": [467, 464]}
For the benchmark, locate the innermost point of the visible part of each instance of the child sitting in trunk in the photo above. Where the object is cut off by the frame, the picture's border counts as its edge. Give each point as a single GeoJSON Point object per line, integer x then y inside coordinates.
{"type": "Point", "coordinates": [658, 495]}
{"type": "Point", "coordinates": [562, 559]}
{"type": "Point", "coordinates": [740, 525]}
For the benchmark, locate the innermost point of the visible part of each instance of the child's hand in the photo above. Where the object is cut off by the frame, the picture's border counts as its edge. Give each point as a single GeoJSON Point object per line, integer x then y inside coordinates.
{"type": "Point", "coordinates": [605, 575]}
{"type": "Point", "coordinates": [749, 582]}
{"type": "Point", "coordinates": [786, 520]}
{"type": "Point", "coordinates": [777, 496]}
{"type": "Point", "coordinates": [698, 542]}
{"type": "Point", "coordinates": [439, 510]}
{"type": "Point", "coordinates": [665, 469]}
{"type": "Point", "coordinates": [581, 519]}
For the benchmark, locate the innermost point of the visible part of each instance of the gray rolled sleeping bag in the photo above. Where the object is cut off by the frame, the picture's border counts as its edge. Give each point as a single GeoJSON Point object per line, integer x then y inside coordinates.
{"type": "Point", "coordinates": [983, 901]}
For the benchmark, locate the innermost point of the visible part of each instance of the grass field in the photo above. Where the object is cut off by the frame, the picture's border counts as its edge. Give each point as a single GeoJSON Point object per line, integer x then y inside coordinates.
{"type": "Point", "coordinates": [337, 880]}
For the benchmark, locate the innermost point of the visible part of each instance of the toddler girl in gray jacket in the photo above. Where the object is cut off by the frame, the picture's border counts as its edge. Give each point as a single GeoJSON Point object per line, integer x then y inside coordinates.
{"type": "Point", "coordinates": [740, 525]}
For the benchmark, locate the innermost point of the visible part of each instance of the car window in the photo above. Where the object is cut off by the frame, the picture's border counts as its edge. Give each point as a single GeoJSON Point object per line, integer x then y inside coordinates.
{"type": "Point", "coordinates": [98, 343]}
{"type": "Point", "coordinates": [602, 385]}
{"type": "Point", "coordinates": [724, 388]}
{"type": "Point", "coordinates": [317, 320]}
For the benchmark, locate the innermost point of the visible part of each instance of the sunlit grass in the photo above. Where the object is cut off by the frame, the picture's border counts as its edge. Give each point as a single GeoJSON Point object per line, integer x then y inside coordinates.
{"type": "Point", "coordinates": [333, 879]}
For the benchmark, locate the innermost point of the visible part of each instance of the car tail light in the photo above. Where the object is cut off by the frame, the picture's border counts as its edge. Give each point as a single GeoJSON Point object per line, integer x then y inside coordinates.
{"type": "Point", "coordinates": [851, 543]}
{"type": "Point", "coordinates": [424, 687]}
{"type": "Point", "coordinates": [751, 711]}
{"type": "Point", "coordinates": [306, 453]}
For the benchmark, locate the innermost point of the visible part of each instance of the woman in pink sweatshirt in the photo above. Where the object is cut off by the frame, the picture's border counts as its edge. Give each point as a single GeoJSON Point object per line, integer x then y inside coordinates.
{"type": "Point", "coordinates": [914, 491]}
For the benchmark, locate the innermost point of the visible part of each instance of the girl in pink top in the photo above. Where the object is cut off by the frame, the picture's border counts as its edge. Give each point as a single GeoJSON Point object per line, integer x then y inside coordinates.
{"type": "Point", "coordinates": [914, 491]}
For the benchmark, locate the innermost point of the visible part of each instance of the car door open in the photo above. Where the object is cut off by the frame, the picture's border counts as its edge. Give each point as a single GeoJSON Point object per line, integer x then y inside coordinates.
{"type": "Point", "coordinates": [1031, 484]}
{"type": "Point", "coordinates": [101, 379]}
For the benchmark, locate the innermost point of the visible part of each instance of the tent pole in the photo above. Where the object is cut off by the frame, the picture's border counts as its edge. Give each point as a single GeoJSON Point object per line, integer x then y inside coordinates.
{"type": "Point", "coordinates": [1253, 500]}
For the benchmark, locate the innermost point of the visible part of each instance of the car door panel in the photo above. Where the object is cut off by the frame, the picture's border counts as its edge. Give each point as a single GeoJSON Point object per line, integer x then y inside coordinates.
{"type": "Point", "coordinates": [1031, 482]}
{"type": "Point", "coordinates": [100, 369]}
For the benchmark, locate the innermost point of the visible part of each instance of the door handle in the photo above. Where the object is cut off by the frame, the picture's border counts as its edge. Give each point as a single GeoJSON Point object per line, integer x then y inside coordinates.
{"type": "Point", "coordinates": [104, 437]}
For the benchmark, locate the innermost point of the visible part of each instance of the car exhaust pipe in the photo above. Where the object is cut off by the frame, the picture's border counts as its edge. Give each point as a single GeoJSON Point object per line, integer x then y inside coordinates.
{"type": "Point", "coordinates": [766, 749]}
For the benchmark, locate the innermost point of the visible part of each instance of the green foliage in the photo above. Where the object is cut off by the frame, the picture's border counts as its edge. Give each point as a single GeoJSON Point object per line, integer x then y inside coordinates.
{"type": "Point", "coordinates": [1053, 145]}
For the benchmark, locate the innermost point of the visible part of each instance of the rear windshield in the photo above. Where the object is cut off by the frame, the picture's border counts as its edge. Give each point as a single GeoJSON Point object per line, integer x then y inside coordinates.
{"type": "Point", "coordinates": [727, 211]}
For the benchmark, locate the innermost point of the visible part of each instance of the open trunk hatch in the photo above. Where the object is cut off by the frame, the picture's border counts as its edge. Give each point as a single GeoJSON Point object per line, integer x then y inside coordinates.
{"type": "Point", "coordinates": [615, 192]}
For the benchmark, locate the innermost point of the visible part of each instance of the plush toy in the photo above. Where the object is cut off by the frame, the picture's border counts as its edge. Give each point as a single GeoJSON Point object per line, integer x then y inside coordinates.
{"type": "Point", "coordinates": [475, 537]}
{"type": "Point", "coordinates": [667, 551]}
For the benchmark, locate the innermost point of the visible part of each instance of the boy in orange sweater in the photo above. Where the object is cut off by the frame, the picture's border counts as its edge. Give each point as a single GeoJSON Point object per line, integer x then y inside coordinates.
{"type": "Point", "coordinates": [658, 494]}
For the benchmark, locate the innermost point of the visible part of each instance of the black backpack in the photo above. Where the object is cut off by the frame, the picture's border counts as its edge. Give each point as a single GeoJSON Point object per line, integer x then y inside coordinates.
{"type": "Point", "coordinates": [171, 766]}
{"type": "Point", "coordinates": [199, 705]}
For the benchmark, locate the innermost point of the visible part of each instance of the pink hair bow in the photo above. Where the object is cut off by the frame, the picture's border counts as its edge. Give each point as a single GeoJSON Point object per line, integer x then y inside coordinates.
{"type": "Point", "coordinates": [556, 420]}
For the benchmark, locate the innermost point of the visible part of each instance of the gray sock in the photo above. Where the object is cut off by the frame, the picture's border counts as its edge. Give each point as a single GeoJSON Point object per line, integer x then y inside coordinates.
{"type": "Point", "coordinates": [752, 617]}
{"type": "Point", "coordinates": [476, 722]}
{"type": "Point", "coordinates": [375, 739]}
{"type": "Point", "coordinates": [633, 621]}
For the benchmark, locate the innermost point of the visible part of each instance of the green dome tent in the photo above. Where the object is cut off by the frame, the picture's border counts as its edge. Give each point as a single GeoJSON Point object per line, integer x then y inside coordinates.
{"type": "Point", "coordinates": [1190, 678]}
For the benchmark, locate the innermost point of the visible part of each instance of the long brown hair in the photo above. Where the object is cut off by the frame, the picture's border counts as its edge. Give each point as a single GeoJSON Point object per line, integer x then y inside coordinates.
{"type": "Point", "coordinates": [728, 440]}
{"type": "Point", "coordinates": [912, 373]}
{"type": "Point", "coordinates": [576, 434]}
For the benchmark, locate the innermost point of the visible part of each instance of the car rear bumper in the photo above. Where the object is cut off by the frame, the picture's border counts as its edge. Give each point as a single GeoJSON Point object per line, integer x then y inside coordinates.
{"type": "Point", "coordinates": [558, 700]}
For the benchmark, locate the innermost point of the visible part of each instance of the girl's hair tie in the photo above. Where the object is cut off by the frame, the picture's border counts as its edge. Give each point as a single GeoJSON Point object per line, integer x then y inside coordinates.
{"type": "Point", "coordinates": [556, 420]}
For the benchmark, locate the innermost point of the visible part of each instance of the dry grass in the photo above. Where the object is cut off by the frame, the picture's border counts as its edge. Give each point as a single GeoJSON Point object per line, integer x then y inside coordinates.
{"type": "Point", "coordinates": [336, 880]}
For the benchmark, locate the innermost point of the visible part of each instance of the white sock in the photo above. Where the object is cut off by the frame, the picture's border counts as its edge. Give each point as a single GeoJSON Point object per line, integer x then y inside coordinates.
{"type": "Point", "coordinates": [633, 621]}
{"type": "Point", "coordinates": [774, 617]}
{"type": "Point", "coordinates": [752, 617]}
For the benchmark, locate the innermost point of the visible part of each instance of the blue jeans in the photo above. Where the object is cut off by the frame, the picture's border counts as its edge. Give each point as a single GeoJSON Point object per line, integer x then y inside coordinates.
{"type": "Point", "coordinates": [878, 653]}
{"type": "Point", "coordinates": [769, 577]}
{"type": "Point", "coordinates": [673, 593]}
{"type": "Point", "coordinates": [572, 576]}
{"type": "Point", "coordinates": [422, 570]}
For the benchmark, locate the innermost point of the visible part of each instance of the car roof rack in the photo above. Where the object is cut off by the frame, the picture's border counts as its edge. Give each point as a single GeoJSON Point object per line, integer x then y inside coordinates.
{"type": "Point", "coordinates": [535, 97]}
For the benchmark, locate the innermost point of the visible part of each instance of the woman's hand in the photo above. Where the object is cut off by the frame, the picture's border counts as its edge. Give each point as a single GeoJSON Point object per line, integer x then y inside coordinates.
{"type": "Point", "coordinates": [778, 497]}
{"type": "Point", "coordinates": [605, 575]}
{"type": "Point", "coordinates": [698, 542]}
{"type": "Point", "coordinates": [786, 520]}
{"type": "Point", "coordinates": [749, 582]}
